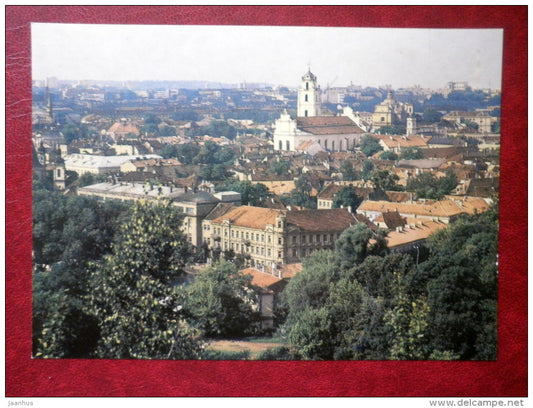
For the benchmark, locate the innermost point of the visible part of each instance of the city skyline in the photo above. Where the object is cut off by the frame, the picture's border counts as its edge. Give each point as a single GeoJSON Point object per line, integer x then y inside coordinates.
{"type": "Point", "coordinates": [338, 56]}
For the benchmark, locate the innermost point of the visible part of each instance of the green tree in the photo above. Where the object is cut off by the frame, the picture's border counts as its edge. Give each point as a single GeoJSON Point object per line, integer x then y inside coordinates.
{"type": "Point", "coordinates": [73, 132]}
{"type": "Point", "coordinates": [219, 302]}
{"type": "Point", "coordinates": [131, 289]}
{"type": "Point", "coordinates": [385, 180]}
{"type": "Point", "coordinates": [69, 232]}
{"type": "Point", "coordinates": [254, 194]}
{"type": "Point", "coordinates": [186, 153]}
{"type": "Point", "coordinates": [412, 153]}
{"type": "Point", "coordinates": [431, 116]}
{"type": "Point", "coordinates": [427, 185]}
{"type": "Point", "coordinates": [301, 195]}
{"type": "Point", "coordinates": [279, 167]}
{"type": "Point", "coordinates": [392, 130]}
{"type": "Point", "coordinates": [346, 197]}
{"type": "Point", "coordinates": [388, 155]}
{"type": "Point", "coordinates": [368, 168]}
{"type": "Point", "coordinates": [370, 145]}
{"type": "Point", "coordinates": [348, 171]}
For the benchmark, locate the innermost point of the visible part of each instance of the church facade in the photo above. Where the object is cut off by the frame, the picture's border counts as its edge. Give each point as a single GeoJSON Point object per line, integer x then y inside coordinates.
{"type": "Point", "coordinates": [332, 133]}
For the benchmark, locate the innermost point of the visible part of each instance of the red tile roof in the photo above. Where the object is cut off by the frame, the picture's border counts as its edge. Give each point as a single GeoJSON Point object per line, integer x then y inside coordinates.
{"type": "Point", "coordinates": [337, 219]}
{"type": "Point", "coordinates": [251, 217]}
{"type": "Point", "coordinates": [327, 125]}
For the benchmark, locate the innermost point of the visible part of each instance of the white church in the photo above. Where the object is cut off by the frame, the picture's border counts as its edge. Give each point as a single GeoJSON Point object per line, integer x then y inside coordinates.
{"type": "Point", "coordinates": [310, 128]}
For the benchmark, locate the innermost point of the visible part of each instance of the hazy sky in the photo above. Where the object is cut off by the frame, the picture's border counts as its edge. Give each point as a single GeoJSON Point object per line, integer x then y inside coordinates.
{"type": "Point", "coordinates": [274, 55]}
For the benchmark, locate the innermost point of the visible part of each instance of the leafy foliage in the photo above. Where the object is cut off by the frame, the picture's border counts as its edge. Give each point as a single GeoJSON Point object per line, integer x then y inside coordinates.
{"type": "Point", "coordinates": [370, 145]}
{"type": "Point", "coordinates": [219, 302]}
{"type": "Point", "coordinates": [301, 195]}
{"type": "Point", "coordinates": [131, 292]}
{"type": "Point", "coordinates": [362, 302]}
{"type": "Point", "coordinates": [385, 180]}
{"type": "Point", "coordinates": [412, 153]}
{"type": "Point", "coordinates": [254, 194]}
{"type": "Point", "coordinates": [427, 185]}
{"type": "Point", "coordinates": [346, 197]}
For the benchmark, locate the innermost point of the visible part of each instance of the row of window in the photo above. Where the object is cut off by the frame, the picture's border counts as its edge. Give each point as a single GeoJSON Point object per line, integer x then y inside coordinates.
{"type": "Point", "coordinates": [315, 238]}
{"type": "Point", "coordinates": [252, 236]}
{"type": "Point", "coordinates": [288, 144]}
{"type": "Point", "coordinates": [248, 249]}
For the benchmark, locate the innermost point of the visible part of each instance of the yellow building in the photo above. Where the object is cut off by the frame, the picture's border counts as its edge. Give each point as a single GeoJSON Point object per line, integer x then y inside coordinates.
{"type": "Point", "coordinates": [273, 237]}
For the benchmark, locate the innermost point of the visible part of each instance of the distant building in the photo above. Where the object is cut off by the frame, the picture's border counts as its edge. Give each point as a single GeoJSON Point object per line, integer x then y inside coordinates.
{"type": "Point", "coordinates": [332, 133]}
{"type": "Point", "coordinates": [195, 205]}
{"type": "Point", "coordinates": [445, 210]}
{"type": "Point", "coordinates": [396, 144]}
{"type": "Point", "coordinates": [482, 119]}
{"type": "Point", "coordinates": [86, 163]}
{"type": "Point", "coordinates": [390, 112]}
{"type": "Point", "coordinates": [122, 130]}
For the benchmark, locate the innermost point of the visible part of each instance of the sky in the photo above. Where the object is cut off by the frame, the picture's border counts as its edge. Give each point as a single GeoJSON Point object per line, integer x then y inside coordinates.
{"type": "Point", "coordinates": [274, 55]}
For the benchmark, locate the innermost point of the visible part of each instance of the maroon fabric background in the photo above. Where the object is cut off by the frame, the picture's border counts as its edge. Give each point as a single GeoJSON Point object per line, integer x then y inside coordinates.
{"type": "Point", "coordinates": [505, 377]}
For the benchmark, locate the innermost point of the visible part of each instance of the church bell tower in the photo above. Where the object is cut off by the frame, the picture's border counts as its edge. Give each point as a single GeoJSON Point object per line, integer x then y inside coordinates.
{"type": "Point", "coordinates": [308, 96]}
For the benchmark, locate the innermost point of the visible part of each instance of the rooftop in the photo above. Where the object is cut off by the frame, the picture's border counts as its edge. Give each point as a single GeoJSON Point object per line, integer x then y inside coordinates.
{"type": "Point", "coordinates": [413, 233]}
{"type": "Point", "coordinates": [327, 125]}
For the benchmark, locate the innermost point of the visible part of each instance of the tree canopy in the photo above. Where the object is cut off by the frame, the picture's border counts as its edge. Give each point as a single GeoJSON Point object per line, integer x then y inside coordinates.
{"type": "Point", "coordinates": [219, 302]}
{"type": "Point", "coordinates": [370, 145]}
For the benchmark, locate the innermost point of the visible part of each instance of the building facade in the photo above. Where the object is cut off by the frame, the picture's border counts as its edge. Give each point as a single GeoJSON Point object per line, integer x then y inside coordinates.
{"type": "Point", "coordinates": [331, 133]}
{"type": "Point", "coordinates": [272, 237]}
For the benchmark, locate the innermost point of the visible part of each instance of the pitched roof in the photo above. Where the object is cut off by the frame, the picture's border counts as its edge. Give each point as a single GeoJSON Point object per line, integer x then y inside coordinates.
{"type": "Point", "coordinates": [393, 219]}
{"type": "Point", "coordinates": [337, 219]}
{"type": "Point", "coordinates": [330, 192]}
{"type": "Point", "coordinates": [264, 280]}
{"type": "Point", "coordinates": [248, 216]}
{"type": "Point", "coordinates": [443, 208]}
{"type": "Point", "coordinates": [393, 141]}
{"type": "Point", "coordinates": [422, 163]}
{"type": "Point", "coordinates": [121, 127]}
{"type": "Point", "coordinates": [413, 233]}
{"type": "Point", "coordinates": [219, 211]}
{"type": "Point", "coordinates": [327, 125]}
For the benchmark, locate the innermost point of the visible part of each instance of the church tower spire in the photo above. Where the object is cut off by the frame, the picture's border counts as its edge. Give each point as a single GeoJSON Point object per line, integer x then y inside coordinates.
{"type": "Point", "coordinates": [49, 107]}
{"type": "Point", "coordinates": [308, 96]}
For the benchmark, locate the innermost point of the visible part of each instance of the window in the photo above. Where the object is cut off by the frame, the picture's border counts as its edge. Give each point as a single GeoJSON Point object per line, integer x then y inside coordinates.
{"type": "Point", "coordinates": [303, 239]}
{"type": "Point", "coordinates": [294, 253]}
{"type": "Point", "coordinates": [289, 144]}
{"type": "Point", "coordinates": [269, 239]}
{"type": "Point", "coordinates": [280, 145]}
{"type": "Point", "coordinates": [333, 145]}
{"type": "Point", "coordinates": [306, 98]}
{"type": "Point", "coordinates": [279, 241]}
{"type": "Point", "coordinates": [269, 252]}
{"type": "Point", "coordinates": [305, 113]}
{"type": "Point", "coordinates": [294, 239]}
{"type": "Point", "coordinates": [307, 86]}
